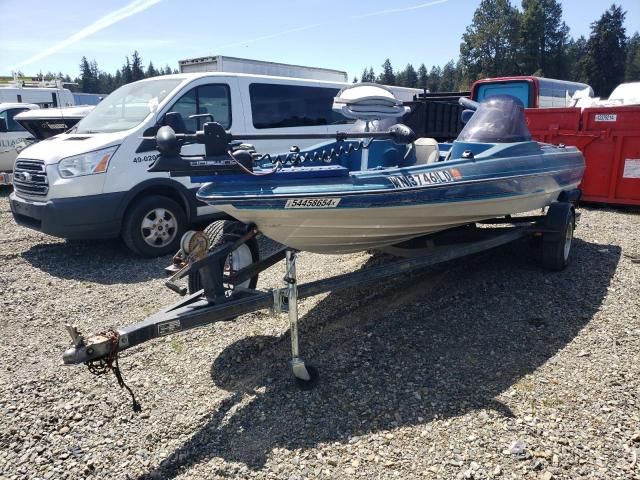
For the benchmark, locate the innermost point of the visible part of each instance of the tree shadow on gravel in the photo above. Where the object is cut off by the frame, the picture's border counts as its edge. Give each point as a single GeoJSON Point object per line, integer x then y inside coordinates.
{"type": "Point", "coordinates": [436, 344]}
{"type": "Point", "coordinates": [106, 262]}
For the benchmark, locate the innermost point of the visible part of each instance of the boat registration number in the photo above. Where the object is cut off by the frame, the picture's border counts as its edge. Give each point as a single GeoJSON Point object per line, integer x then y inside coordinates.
{"type": "Point", "coordinates": [312, 203]}
{"type": "Point", "coordinates": [430, 178]}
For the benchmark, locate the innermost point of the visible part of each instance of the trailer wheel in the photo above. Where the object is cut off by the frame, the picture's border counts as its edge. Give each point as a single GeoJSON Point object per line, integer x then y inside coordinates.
{"type": "Point", "coordinates": [153, 226]}
{"type": "Point", "coordinates": [219, 233]}
{"type": "Point", "coordinates": [556, 246]}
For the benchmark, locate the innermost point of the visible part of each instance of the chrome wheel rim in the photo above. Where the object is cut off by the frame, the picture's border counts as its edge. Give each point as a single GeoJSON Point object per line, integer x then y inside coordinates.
{"type": "Point", "coordinates": [159, 227]}
{"type": "Point", "coordinates": [240, 258]}
{"type": "Point", "coordinates": [568, 239]}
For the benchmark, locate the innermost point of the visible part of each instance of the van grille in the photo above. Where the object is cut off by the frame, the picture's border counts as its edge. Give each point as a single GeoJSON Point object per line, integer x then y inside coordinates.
{"type": "Point", "coordinates": [30, 177]}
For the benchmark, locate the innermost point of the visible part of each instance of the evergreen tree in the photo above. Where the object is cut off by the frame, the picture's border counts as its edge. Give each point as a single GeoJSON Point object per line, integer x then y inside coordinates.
{"type": "Point", "coordinates": [127, 74]}
{"type": "Point", "coordinates": [355, 80]}
{"type": "Point", "coordinates": [449, 80]}
{"type": "Point", "coordinates": [632, 68]}
{"type": "Point", "coordinates": [410, 76]}
{"type": "Point", "coordinates": [88, 76]}
{"type": "Point", "coordinates": [151, 71]}
{"type": "Point", "coordinates": [606, 52]}
{"type": "Point", "coordinates": [489, 45]}
{"type": "Point", "coordinates": [433, 82]}
{"type": "Point", "coordinates": [137, 72]}
{"type": "Point", "coordinates": [543, 39]}
{"type": "Point", "coordinates": [117, 79]}
{"type": "Point", "coordinates": [576, 59]}
{"type": "Point", "coordinates": [387, 77]}
{"type": "Point", "coordinates": [422, 76]}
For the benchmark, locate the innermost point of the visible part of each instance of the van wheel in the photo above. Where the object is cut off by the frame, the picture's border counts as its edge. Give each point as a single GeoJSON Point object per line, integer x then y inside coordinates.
{"type": "Point", "coordinates": [153, 226]}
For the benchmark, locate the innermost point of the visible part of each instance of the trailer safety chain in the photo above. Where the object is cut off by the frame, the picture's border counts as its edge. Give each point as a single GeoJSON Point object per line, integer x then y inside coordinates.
{"type": "Point", "coordinates": [110, 363]}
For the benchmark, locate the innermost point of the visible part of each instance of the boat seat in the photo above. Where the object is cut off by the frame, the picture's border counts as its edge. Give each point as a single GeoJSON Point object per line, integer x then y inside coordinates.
{"type": "Point", "coordinates": [427, 151]}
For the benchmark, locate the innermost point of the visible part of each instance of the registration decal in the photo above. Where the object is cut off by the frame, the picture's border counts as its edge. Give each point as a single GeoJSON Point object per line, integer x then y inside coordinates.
{"type": "Point", "coordinates": [606, 117]}
{"type": "Point", "coordinates": [312, 203]}
{"type": "Point", "coordinates": [427, 178]}
{"type": "Point", "coordinates": [631, 168]}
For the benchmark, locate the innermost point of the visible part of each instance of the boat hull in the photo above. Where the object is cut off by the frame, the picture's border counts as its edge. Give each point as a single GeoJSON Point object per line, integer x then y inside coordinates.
{"type": "Point", "coordinates": [334, 213]}
{"type": "Point", "coordinates": [349, 230]}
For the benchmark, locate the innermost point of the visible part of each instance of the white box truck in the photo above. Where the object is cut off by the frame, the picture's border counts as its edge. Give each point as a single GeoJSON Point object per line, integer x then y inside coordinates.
{"type": "Point", "coordinates": [221, 63]}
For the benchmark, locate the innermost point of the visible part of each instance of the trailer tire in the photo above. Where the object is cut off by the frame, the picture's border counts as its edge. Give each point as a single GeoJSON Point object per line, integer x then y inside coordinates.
{"type": "Point", "coordinates": [219, 233]}
{"type": "Point", "coordinates": [556, 246]}
{"type": "Point", "coordinates": [153, 226]}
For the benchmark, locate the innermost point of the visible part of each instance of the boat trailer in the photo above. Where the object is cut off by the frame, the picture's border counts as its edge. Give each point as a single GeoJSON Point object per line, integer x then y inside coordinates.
{"type": "Point", "coordinates": [219, 301]}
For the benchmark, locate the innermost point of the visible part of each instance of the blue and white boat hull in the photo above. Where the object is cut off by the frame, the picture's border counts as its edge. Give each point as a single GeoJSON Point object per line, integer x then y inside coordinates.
{"type": "Point", "coordinates": [343, 212]}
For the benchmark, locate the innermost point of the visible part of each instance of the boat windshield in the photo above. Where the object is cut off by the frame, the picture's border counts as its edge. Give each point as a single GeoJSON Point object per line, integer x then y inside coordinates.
{"type": "Point", "coordinates": [499, 119]}
{"type": "Point", "coordinates": [127, 107]}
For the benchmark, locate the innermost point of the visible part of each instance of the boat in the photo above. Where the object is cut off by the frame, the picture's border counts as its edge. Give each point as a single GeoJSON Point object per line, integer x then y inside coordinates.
{"type": "Point", "coordinates": [351, 195]}
{"type": "Point", "coordinates": [325, 200]}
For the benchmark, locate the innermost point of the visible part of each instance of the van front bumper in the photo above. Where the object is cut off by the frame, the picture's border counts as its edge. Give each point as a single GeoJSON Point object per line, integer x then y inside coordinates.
{"type": "Point", "coordinates": [89, 217]}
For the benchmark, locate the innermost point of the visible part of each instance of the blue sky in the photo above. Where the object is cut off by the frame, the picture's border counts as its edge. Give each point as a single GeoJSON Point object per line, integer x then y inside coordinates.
{"type": "Point", "coordinates": [346, 35]}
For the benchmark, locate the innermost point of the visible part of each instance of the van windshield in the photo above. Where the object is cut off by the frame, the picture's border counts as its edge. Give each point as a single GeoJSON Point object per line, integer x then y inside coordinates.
{"type": "Point", "coordinates": [127, 107]}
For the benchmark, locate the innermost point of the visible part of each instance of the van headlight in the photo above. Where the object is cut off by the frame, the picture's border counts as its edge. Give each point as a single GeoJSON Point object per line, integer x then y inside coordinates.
{"type": "Point", "coordinates": [87, 163]}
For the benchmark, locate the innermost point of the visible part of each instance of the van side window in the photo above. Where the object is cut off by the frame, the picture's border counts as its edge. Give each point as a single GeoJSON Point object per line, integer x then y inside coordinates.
{"type": "Point", "coordinates": [282, 106]}
{"type": "Point", "coordinates": [213, 99]}
{"type": "Point", "coordinates": [187, 105]}
{"type": "Point", "coordinates": [12, 125]}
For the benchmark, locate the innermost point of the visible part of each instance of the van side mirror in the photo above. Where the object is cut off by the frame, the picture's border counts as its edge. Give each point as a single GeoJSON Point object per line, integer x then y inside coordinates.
{"type": "Point", "coordinates": [175, 121]}
{"type": "Point", "coordinates": [151, 131]}
{"type": "Point", "coordinates": [3, 125]}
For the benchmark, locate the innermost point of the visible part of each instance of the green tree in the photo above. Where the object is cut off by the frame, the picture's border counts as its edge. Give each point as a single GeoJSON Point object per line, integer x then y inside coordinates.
{"type": "Point", "coordinates": [368, 76]}
{"type": "Point", "coordinates": [606, 51]}
{"type": "Point", "coordinates": [632, 67]}
{"type": "Point", "coordinates": [433, 82]}
{"type": "Point", "coordinates": [422, 76]}
{"type": "Point", "coordinates": [88, 76]}
{"type": "Point", "coordinates": [387, 77]}
{"type": "Point", "coordinates": [576, 59]}
{"type": "Point", "coordinates": [137, 72]}
{"type": "Point", "coordinates": [489, 44]}
{"type": "Point", "coordinates": [543, 38]}
{"type": "Point", "coordinates": [450, 77]}
{"type": "Point", "coordinates": [127, 74]}
{"type": "Point", "coordinates": [410, 76]}
{"type": "Point", "coordinates": [151, 71]}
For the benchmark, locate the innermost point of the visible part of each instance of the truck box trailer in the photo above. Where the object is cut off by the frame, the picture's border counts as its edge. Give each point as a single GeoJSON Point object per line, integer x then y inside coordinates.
{"type": "Point", "coordinates": [221, 63]}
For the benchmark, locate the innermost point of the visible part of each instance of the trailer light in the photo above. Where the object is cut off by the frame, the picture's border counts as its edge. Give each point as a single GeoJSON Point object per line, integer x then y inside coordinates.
{"type": "Point", "coordinates": [86, 164]}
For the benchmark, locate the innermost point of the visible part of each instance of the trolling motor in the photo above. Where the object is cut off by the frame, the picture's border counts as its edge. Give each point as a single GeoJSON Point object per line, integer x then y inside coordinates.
{"type": "Point", "coordinates": [224, 154]}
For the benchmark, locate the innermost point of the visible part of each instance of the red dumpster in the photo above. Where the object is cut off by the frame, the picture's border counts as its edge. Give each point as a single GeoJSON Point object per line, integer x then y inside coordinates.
{"type": "Point", "coordinates": [609, 138]}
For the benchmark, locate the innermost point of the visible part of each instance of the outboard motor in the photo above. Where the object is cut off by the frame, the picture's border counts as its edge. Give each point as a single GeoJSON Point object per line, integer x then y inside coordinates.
{"type": "Point", "coordinates": [374, 107]}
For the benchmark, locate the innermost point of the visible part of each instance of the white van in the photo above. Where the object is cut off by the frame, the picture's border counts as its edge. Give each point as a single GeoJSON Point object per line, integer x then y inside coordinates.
{"type": "Point", "coordinates": [92, 181]}
{"type": "Point", "coordinates": [11, 134]}
{"type": "Point", "coordinates": [19, 96]}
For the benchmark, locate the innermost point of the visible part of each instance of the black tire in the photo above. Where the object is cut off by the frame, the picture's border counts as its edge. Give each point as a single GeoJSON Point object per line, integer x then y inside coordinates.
{"type": "Point", "coordinates": [169, 227]}
{"type": "Point", "coordinates": [556, 247]}
{"type": "Point", "coordinates": [219, 233]}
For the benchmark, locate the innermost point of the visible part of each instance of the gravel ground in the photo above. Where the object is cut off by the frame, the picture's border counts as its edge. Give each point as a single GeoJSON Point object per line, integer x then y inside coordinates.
{"type": "Point", "coordinates": [487, 367]}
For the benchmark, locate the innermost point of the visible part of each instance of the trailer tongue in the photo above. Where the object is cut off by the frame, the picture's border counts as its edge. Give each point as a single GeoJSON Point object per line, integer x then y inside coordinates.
{"type": "Point", "coordinates": [217, 303]}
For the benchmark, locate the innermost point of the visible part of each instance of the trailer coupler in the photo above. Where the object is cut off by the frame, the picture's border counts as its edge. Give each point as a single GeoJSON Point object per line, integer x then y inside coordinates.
{"type": "Point", "coordinates": [100, 354]}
